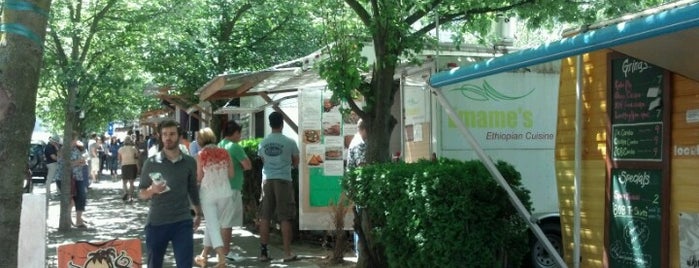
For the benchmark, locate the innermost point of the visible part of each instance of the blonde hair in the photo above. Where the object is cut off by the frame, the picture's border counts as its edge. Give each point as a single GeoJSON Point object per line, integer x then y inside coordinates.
{"type": "Point", "coordinates": [128, 140]}
{"type": "Point", "coordinates": [205, 136]}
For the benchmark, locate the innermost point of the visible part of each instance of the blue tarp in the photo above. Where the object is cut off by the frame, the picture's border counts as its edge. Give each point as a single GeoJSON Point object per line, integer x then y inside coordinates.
{"type": "Point", "coordinates": [640, 28]}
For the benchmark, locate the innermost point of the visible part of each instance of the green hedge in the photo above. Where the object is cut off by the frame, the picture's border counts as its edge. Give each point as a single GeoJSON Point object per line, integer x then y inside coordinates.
{"type": "Point", "coordinates": [250, 146]}
{"type": "Point", "coordinates": [447, 213]}
{"type": "Point", "coordinates": [253, 180]}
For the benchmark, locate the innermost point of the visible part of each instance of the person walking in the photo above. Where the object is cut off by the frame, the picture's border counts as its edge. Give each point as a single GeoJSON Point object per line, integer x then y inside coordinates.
{"type": "Point", "coordinates": [194, 146]}
{"type": "Point", "coordinates": [214, 167]}
{"type": "Point", "coordinates": [113, 156]}
{"type": "Point", "coordinates": [241, 163]}
{"type": "Point", "coordinates": [279, 155]}
{"type": "Point", "coordinates": [78, 162]}
{"type": "Point", "coordinates": [169, 181]}
{"type": "Point", "coordinates": [94, 146]}
{"type": "Point", "coordinates": [356, 157]}
{"type": "Point", "coordinates": [51, 154]}
{"type": "Point", "coordinates": [142, 151]}
{"type": "Point", "coordinates": [102, 151]}
{"type": "Point", "coordinates": [356, 153]}
{"type": "Point", "coordinates": [128, 157]}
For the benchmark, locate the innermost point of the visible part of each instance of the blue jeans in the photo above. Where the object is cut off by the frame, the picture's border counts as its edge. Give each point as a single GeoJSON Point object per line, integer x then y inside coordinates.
{"type": "Point", "coordinates": [159, 236]}
{"type": "Point", "coordinates": [80, 196]}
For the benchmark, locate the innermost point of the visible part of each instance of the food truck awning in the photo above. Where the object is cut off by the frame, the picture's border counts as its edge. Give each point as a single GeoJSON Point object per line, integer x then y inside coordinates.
{"type": "Point", "coordinates": [283, 78]}
{"type": "Point", "coordinates": [179, 102]}
{"type": "Point", "coordinates": [666, 36]}
{"type": "Point", "coordinates": [156, 116]}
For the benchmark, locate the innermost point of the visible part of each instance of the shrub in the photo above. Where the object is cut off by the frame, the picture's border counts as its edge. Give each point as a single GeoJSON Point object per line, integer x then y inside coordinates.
{"type": "Point", "coordinates": [250, 146]}
{"type": "Point", "coordinates": [253, 180]}
{"type": "Point", "coordinates": [447, 213]}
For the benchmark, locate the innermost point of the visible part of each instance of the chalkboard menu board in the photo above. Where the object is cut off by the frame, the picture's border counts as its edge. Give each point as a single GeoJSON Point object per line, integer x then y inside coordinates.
{"type": "Point", "coordinates": [636, 110]}
{"type": "Point", "coordinates": [641, 141]}
{"type": "Point", "coordinates": [638, 178]}
{"type": "Point", "coordinates": [636, 214]}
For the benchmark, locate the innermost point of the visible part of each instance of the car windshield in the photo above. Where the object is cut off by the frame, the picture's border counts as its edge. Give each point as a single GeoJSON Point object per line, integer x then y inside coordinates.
{"type": "Point", "coordinates": [36, 148]}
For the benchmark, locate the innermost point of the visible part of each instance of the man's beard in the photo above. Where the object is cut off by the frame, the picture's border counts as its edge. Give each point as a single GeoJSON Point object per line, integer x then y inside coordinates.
{"type": "Point", "coordinates": [172, 146]}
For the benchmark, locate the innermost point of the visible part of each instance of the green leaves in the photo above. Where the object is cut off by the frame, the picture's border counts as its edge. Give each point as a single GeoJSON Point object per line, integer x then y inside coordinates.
{"type": "Point", "coordinates": [444, 213]}
{"type": "Point", "coordinates": [212, 37]}
{"type": "Point", "coordinates": [109, 51]}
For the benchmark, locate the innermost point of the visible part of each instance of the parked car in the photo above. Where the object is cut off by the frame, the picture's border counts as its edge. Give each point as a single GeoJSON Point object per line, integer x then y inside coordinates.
{"type": "Point", "coordinates": [37, 161]}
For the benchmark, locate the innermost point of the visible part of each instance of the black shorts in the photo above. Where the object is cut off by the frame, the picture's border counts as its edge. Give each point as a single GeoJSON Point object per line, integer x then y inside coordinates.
{"type": "Point", "coordinates": [128, 172]}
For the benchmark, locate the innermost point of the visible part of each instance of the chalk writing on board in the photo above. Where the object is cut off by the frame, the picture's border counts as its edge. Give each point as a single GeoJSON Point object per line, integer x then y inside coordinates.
{"type": "Point", "coordinates": [630, 66]}
{"type": "Point", "coordinates": [640, 141]}
{"type": "Point", "coordinates": [629, 257]}
{"type": "Point", "coordinates": [635, 217]}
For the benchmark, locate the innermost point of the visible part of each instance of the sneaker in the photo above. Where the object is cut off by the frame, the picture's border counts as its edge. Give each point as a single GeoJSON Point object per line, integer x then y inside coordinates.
{"type": "Point", "coordinates": [232, 256]}
{"type": "Point", "coordinates": [264, 257]}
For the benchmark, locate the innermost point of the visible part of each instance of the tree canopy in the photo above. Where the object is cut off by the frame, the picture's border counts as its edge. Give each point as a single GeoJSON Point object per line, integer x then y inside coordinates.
{"type": "Point", "coordinates": [399, 29]}
{"type": "Point", "coordinates": [212, 37]}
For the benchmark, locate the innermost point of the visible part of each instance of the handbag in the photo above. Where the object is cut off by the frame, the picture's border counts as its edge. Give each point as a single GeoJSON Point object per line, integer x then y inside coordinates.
{"type": "Point", "coordinates": [117, 253]}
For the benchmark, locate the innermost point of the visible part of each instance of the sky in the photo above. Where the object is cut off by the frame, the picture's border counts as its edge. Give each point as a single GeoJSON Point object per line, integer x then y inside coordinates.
{"type": "Point", "coordinates": [40, 133]}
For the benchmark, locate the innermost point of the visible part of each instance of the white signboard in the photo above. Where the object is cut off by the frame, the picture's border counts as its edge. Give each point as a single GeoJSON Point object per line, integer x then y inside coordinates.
{"type": "Point", "coordinates": [504, 111]}
{"type": "Point", "coordinates": [513, 118]}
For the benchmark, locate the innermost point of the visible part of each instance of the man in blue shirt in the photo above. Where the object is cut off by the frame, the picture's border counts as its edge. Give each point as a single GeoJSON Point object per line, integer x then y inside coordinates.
{"type": "Point", "coordinates": [279, 154]}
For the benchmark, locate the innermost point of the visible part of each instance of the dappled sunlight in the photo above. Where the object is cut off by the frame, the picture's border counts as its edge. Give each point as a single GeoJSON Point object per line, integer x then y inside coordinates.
{"type": "Point", "coordinates": [109, 217]}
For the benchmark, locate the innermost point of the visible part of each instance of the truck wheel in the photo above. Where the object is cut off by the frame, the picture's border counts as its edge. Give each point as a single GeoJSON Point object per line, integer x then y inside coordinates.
{"type": "Point", "coordinates": [539, 256]}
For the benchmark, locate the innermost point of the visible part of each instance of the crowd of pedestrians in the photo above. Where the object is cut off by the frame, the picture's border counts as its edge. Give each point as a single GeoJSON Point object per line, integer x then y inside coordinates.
{"type": "Point", "coordinates": [187, 183]}
{"type": "Point", "coordinates": [209, 184]}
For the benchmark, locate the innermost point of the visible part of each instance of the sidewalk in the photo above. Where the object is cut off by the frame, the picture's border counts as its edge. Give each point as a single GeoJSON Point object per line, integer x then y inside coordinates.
{"type": "Point", "coordinates": [109, 217]}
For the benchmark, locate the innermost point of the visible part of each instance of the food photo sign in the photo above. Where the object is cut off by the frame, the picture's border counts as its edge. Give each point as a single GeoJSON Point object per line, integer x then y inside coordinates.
{"type": "Point", "coordinates": [324, 136]}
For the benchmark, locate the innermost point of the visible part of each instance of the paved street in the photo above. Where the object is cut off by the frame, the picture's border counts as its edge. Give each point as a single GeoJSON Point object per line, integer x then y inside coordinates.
{"type": "Point", "coordinates": [109, 217]}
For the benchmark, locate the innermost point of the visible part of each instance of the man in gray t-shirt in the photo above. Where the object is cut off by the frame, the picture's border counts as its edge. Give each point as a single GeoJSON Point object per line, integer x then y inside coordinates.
{"type": "Point", "coordinates": [169, 181]}
{"type": "Point", "coordinates": [279, 155]}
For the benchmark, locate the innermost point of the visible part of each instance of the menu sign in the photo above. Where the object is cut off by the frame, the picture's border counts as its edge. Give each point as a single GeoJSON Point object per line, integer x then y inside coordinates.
{"type": "Point", "coordinates": [636, 91]}
{"type": "Point", "coordinates": [637, 201]}
{"type": "Point", "coordinates": [326, 135]}
{"type": "Point", "coordinates": [636, 110]}
{"type": "Point", "coordinates": [636, 214]}
{"type": "Point", "coordinates": [637, 141]}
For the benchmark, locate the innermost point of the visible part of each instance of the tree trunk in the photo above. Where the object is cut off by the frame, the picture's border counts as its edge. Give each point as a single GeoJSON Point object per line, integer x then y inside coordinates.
{"type": "Point", "coordinates": [380, 126]}
{"type": "Point", "coordinates": [382, 123]}
{"type": "Point", "coordinates": [20, 62]}
{"type": "Point", "coordinates": [64, 223]}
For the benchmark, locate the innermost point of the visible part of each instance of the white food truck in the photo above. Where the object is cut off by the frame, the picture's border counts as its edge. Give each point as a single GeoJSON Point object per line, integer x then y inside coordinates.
{"type": "Point", "coordinates": [513, 117]}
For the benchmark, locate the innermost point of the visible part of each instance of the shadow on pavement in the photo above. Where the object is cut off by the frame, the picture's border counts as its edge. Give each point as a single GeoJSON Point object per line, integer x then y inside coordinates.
{"type": "Point", "coordinates": [109, 217]}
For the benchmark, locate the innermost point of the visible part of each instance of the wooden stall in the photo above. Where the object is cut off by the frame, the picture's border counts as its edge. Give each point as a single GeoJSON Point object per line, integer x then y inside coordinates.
{"type": "Point", "coordinates": [625, 165]}
{"type": "Point", "coordinates": [642, 129]}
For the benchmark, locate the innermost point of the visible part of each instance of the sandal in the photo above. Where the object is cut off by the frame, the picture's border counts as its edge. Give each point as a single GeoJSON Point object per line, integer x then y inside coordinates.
{"type": "Point", "coordinates": [200, 260]}
{"type": "Point", "coordinates": [290, 258]}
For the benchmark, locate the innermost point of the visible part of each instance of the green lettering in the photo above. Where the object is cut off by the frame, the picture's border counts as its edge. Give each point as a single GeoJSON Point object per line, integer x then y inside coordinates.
{"type": "Point", "coordinates": [511, 119]}
{"type": "Point", "coordinates": [527, 120]}
{"type": "Point", "coordinates": [494, 119]}
{"type": "Point", "coordinates": [482, 119]}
